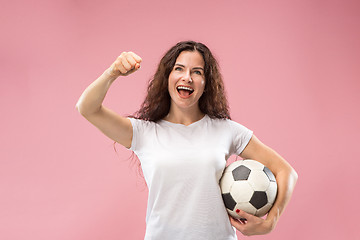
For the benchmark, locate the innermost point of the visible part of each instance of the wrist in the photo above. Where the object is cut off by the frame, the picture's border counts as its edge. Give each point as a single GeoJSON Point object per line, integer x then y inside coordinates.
{"type": "Point", "coordinates": [271, 222]}
{"type": "Point", "coordinates": [110, 75]}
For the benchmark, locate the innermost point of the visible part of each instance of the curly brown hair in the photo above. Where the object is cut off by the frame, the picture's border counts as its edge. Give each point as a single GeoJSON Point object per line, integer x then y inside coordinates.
{"type": "Point", "coordinates": [213, 101]}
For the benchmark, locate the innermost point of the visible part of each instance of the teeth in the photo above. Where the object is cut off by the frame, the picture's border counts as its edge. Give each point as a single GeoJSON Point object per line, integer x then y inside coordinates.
{"type": "Point", "coordinates": [185, 88]}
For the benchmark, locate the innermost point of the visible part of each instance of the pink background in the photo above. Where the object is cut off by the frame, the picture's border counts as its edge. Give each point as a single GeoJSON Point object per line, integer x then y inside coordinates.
{"type": "Point", "coordinates": [291, 71]}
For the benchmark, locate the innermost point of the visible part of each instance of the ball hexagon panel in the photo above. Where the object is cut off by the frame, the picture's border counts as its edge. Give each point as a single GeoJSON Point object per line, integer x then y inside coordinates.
{"type": "Point", "coordinates": [226, 182]}
{"type": "Point", "coordinates": [253, 165]}
{"type": "Point", "coordinates": [246, 191]}
{"type": "Point", "coordinates": [271, 192]}
{"type": "Point", "coordinates": [264, 210]}
{"type": "Point", "coordinates": [247, 207]}
{"type": "Point", "coordinates": [258, 180]}
{"type": "Point", "coordinates": [241, 173]}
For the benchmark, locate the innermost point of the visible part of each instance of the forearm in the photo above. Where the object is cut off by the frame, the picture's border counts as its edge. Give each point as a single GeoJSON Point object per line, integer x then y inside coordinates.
{"type": "Point", "coordinates": [286, 180]}
{"type": "Point", "coordinates": [92, 98]}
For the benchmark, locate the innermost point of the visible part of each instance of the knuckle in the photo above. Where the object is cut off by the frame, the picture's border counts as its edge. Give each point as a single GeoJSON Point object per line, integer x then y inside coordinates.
{"type": "Point", "coordinates": [122, 55]}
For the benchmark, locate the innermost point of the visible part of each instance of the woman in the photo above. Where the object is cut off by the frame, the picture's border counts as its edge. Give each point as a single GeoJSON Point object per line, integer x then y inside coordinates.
{"type": "Point", "coordinates": [183, 136]}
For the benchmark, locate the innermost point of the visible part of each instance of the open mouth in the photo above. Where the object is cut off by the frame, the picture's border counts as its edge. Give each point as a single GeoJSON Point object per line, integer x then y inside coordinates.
{"type": "Point", "coordinates": [185, 91]}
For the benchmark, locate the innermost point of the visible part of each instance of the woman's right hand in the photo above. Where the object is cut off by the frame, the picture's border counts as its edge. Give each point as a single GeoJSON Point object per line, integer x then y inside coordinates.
{"type": "Point", "coordinates": [125, 64]}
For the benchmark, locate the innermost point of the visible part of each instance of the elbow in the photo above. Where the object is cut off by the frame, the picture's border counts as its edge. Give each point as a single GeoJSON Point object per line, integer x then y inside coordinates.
{"type": "Point", "coordinates": [86, 110]}
{"type": "Point", "coordinates": [293, 175]}
{"type": "Point", "coordinates": [80, 109]}
{"type": "Point", "coordinates": [77, 107]}
{"type": "Point", "coordinates": [81, 106]}
{"type": "Point", "coordinates": [288, 172]}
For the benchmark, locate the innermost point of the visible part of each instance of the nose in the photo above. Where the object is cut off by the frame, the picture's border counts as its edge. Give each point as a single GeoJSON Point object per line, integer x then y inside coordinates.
{"type": "Point", "coordinates": [187, 77]}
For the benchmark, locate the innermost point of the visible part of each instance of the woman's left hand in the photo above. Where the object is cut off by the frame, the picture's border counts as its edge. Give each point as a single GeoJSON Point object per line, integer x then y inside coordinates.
{"type": "Point", "coordinates": [251, 225]}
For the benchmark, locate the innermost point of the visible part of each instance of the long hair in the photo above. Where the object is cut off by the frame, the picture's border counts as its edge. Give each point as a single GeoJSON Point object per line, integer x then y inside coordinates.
{"type": "Point", "coordinates": [213, 101]}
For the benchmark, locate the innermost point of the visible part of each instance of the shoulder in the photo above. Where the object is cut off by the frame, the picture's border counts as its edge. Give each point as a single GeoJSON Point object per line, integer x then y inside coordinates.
{"type": "Point", "coordinates": [234, 128]}
{"type": "Point", "coordinates": [225, 122]}
{"type": "Point", "coordinates": [222, 126]}
{"type": "Point", "coordinates": [143, 130]}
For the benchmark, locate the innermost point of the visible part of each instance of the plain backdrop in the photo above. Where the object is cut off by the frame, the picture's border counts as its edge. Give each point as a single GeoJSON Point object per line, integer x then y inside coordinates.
{"type": "Point", "coordinates": [291, 71]}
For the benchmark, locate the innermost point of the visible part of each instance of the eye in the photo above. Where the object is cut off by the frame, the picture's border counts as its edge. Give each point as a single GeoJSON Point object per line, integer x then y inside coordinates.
{"type": "Point", "coordinates": [198, 72]}
{"type": "Point", "coordinates": [177, 68]}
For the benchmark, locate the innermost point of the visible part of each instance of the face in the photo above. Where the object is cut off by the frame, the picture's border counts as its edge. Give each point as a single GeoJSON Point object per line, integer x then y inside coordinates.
{"type": "Point", "coordinates": [187, 80]}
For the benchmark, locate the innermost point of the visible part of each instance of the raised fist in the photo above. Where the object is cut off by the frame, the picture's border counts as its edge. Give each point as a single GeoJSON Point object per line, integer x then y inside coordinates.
{"type": "Point", "coordinates": [125, 64]}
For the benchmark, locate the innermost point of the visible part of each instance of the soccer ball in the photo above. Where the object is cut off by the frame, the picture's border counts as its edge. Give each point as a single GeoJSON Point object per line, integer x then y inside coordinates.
{"type": "Point", "coordinates": [248, 185]}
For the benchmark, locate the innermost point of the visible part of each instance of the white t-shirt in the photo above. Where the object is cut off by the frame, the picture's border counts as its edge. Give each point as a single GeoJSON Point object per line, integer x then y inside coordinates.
{"type": "Point", "coordinates": [182, 166]}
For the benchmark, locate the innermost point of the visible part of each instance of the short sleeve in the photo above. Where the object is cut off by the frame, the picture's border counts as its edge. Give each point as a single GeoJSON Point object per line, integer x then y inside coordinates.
{"type": "Point", "coordinates": [141, 131]}
{"type": "Point", "coordinates": [136, 126]}
{"type": "Point", "coordinates": [241, 137]}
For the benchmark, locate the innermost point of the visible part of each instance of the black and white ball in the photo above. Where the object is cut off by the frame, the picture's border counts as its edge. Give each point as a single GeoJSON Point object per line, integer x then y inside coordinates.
{"type": "Point", "coordinates": [248, 185]}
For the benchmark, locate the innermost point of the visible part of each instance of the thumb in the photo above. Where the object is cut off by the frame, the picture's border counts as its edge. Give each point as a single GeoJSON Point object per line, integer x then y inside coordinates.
{"type": "Point", "coordinates": [137, 66]}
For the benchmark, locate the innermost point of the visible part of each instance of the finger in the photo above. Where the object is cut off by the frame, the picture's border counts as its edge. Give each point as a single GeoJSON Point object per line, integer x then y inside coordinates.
{"type": "Point", "coordinates": [243, 220]}
{"type": "Point", "coordinates": [244, 216]}
{"type": "Point", "coordinates": [121, 68]}
{"type": "Point", "coordinates": [126, 64]}
{"type": "Point", "coordinates": [137, 66]}
{"type": "Point", "coordinates": [235, 222]}
{"type": "Point", "coordinates": [240, 226]}
{"type": "Point", "coordinates": [131, 60]}
{"type": "Point", "coordinates": [136, 57]}
{"type": "Point", "coordinates": [122, 54]}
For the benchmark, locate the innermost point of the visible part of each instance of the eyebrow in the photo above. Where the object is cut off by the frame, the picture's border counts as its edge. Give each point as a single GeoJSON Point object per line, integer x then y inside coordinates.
{"type": "Point", "coordinates": [178, 64]}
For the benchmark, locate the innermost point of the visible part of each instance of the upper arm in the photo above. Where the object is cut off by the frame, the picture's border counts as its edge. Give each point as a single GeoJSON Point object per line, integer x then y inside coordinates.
{"type": "Point", "coordinates": [114, 126]}
{"type": "Point", "coordinates": [258, 151]}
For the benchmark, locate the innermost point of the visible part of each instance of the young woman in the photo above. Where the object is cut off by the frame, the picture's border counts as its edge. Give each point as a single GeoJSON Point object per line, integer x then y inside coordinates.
{"type": "Point", "coordinates": [183, 136]}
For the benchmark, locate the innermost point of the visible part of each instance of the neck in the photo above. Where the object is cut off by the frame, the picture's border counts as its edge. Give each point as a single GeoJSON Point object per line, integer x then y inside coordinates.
{"type": "Point", "coordinates": [185, 117]}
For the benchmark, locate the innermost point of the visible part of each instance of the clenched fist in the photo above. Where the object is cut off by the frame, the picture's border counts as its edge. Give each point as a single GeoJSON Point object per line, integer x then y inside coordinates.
{"type": "Point", "coordinates": [125, 64]}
